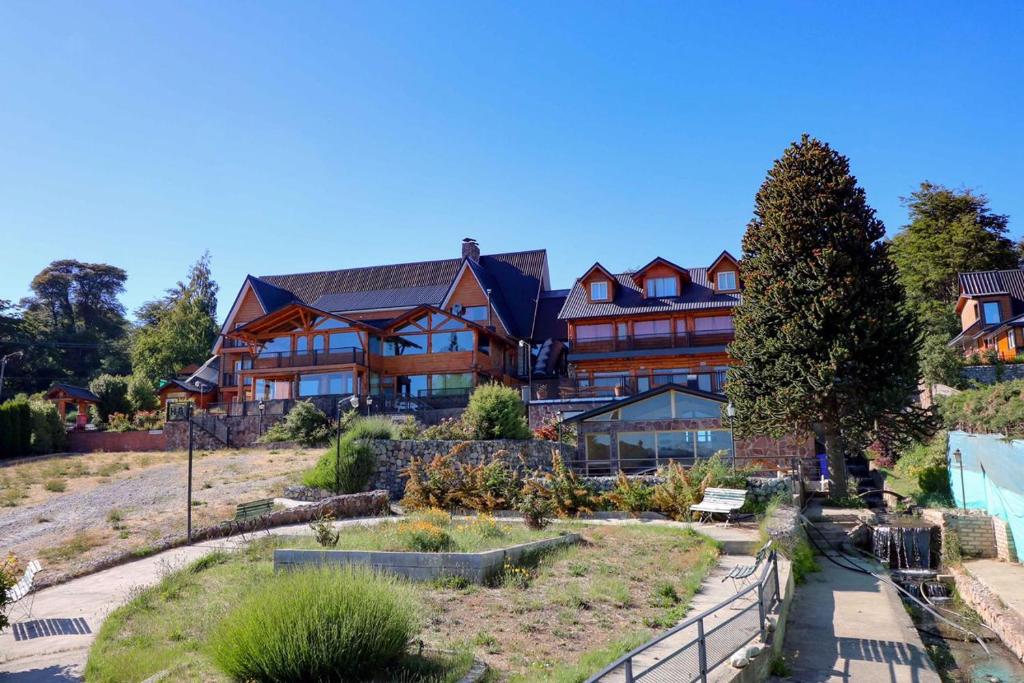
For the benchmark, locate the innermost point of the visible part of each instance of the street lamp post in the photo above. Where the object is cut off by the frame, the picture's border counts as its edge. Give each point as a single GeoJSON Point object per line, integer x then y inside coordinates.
{"type": "Point", "coordinates": [730, 411]}
{"type": "Point", "coordinates": [259, 427]}
{"type": "Point", "coordinates": [369, 403]}
{"type": "Point", "coordinates": [188, 413]}
{"type": "Point", "coordinates": [3, 367]}
{"type": "Point", "coordinates": [529, 366]}
{"type": "Point", "coordinates": [959, 458]}
{"type": "Point", "coordinates": [337, 449]}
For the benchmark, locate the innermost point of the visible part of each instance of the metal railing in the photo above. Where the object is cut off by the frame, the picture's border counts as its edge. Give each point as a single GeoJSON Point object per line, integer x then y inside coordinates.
{"type": "Point", "coordinates": [687, 652]}
{"type": "Point", "coordinates": [566, 388]}
{"type": "Point", "coordinates": [287, 359]}
{"type": "Point", "coordinates": [637, 342]}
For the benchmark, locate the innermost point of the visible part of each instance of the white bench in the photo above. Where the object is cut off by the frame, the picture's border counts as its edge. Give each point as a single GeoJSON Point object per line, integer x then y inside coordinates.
{"type": "Point", "coordinates": [720, 501]}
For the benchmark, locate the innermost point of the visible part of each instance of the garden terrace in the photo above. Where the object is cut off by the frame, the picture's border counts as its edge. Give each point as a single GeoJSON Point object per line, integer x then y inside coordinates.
{"type": "Point", "coordinates": [590, 602]}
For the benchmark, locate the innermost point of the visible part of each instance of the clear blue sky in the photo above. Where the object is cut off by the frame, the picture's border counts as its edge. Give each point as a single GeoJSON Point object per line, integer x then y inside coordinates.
{"type": "Point", "coordinates": [290, 137]}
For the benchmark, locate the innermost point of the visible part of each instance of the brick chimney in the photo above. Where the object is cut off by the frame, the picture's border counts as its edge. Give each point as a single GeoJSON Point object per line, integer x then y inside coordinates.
{"type": "Point", "coordinates": [470, 249]}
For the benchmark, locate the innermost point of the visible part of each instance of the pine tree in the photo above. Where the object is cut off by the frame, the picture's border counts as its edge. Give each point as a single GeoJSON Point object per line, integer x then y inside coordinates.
{"type": "Point", "coordinates": [823, 338]}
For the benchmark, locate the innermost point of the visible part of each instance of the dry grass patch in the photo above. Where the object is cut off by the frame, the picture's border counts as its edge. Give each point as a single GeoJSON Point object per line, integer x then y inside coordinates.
{"type": "Point", "coordinates": [78, 544]}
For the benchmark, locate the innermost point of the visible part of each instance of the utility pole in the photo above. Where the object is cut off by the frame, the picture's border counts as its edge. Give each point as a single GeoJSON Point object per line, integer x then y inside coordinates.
{"type": "Point", "coordinates": [3, 367]}
{"type": "Point", "coordinates": [188, 411]}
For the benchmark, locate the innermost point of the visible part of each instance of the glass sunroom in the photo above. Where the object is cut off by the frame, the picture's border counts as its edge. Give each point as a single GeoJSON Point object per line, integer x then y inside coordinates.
{"type": "Point", "coordinates": [649, 430]}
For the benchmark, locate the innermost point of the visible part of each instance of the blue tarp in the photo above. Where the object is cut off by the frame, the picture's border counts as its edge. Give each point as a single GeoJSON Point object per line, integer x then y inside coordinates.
{"type": "Point", "coordinates": [993, 477]}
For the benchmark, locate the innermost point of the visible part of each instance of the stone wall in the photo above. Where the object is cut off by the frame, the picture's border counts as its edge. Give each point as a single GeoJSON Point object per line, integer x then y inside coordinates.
{"type": "Point", "coordinates": [394, 456]}
{"type": "Point", "coordinates": [1006, 549]}
{"type": "Point", "coordinates": [116, 442]}
{"type": "Point", "coordinates": [764, 449]}
{"type": "Point", "coordinates": [991, 374]}
{"type": "Point", "coordinates": [1007, 623]}
{"type": "Point", "coordinates": [974, 530]}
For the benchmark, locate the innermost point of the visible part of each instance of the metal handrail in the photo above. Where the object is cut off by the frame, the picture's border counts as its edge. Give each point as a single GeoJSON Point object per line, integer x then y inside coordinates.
{"type": "Point", "coordinates": [771, 571]}
{"type": "Point", "coordinates": [668, 340]}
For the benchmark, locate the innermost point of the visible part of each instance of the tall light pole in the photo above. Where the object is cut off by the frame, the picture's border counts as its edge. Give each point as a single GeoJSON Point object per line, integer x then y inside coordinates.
{"type": "Point", "coordinates": [3, 367]}
{"type": "Point", "coordinates": [529, 366]}
{"type": "Point", "coordinates": [730, 411]}
{"type": "Point", "coordinates": [188, 502]}
{"type": "Point", "coordinates": [337, 450]}
{"type": "Point", "coordinates": [959, 458]}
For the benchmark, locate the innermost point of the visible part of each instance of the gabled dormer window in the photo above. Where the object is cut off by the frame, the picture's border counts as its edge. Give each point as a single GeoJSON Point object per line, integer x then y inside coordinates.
{"type": "Point", "coordinates": [726, 280]}
{"type": "Point", "coordinates": [599, 290]}
{"type": "Point", "coordinates": [662, 286]}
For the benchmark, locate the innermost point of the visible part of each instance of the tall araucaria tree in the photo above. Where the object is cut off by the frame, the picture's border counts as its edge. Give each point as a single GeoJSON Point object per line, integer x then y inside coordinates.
{"type": "Point", "coordinates": [824, 341]}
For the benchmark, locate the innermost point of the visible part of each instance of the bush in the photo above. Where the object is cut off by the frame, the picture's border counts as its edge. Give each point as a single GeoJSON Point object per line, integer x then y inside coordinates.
{"type": "Point", "coordinates": [570, 494]}
{"type": "Point", "coordinates": [141, 394]}
{"type": "Point", "coordinates": [926, 465]}
{"type": "Point", "coordinates": [535, 506]}
{"type": "Point", "coordinates": [305, 424]}
{"type": "Point", "coordinates": [48, 432]}
{"type": "Point", "coordinates": [349, 473]}
{"type": "Point", "coordinates": [8, 577]}
{"type": "Point", "coordinates": [15, 427]}
{"type": "Point", "coordinates": [992, 409]}
{"type": "Point", "coordinates": [373, 428]}
{"type": "Point", "coordinates": [495, 411]}
{"type": "Point", "coordinates": [448, 484]}
{"type": "Point", "coordinates": [112, 391]}
{"type": "Point", "coordinates": [630, 495]}
{"type": "Point", "coordinates": [448, 429]}
{"type": "Point", "coordinates": [423, 536]}
{"type": "Point", "coordinates": [317, 625]}
{"type": "Point", "coordinates": [119, 422]}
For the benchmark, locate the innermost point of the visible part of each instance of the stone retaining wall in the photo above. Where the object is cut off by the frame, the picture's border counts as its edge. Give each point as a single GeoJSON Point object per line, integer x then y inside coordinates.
{"type": "Point", "coordinates": [395, 456]}
{"type": "Point", "coordinates": [1006, 549]}
{"type": "Point", "coordinates": [991, 374]}
{"type": "Point", "coordinates": [422, 566]}
{"type": "Point", "coordinates": [974, 530]}
{"type": "Point", "coordinates": [1008, 624]}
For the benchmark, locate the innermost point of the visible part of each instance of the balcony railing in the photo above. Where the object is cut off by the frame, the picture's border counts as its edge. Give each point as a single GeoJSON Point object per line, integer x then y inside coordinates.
{"type": "Point", "coordinates": [286, 359]}
{"type": "Point", "coordinates": [612, 387]}
{"type": "Point", "coordinates": [637, 342]}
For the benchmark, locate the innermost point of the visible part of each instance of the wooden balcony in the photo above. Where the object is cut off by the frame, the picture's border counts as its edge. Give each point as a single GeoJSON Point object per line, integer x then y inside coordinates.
{"type": "Point", "coordinates": [675, 340]}
{"type": "Point", "coordinates": [309, 359]}
{"type": "Point", "coordinates": [616, 387]}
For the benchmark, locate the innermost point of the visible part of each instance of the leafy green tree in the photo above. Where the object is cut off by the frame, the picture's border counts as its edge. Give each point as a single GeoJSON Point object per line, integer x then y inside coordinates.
{"type": "Point", "coordinates": [141, 394]}
{"type": "Point", "coordinates": [940, 363]}
{"type": "Point", "coordinates": [72, 326]}
{"type": "Point", "coordinates": [950, 231]}
{"type": "Point", "coordinates": [179, 329]}
{"type": "Point", "coordinates": [823, 338]}
{"type": "Point", "coordinates": [112, 390]}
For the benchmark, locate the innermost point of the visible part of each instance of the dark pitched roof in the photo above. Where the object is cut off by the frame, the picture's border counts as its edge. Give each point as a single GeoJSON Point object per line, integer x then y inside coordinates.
{"type": "Point", "coordinates": [993, 282]}
{"type": "Point", "coordinates": [271, 296]}
{"type": "Point", "coordinates": [73, 392]}
{"type": "Point", "coordinates": [658, 260]}
{"type": "Point", "coordinates": [615, 404]}
{"type": "Point", "coordinates": [515, 277]}
{"type": "Point", "coordinates": [548, 325]}
{"type": "Point", "coordinates": [189, 386]}
{"type": "Point", "coordinates": [631, 300]}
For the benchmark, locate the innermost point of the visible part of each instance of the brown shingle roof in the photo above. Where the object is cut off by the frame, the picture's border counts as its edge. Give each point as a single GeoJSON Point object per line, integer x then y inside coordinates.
{"type": "Point", "coordinates": [631, 300]}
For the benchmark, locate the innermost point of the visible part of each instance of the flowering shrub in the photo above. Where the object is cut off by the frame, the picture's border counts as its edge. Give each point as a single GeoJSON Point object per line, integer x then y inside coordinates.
{"type": "Point", "coordinates": [515, 577]}
{"type": "Point", "coordinates": [424, 536]}
{"type": "Point", "coordinates": [535, 506]}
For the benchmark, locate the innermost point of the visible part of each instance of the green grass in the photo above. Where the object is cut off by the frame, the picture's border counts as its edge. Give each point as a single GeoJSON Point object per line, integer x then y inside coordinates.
{"type": "Point", "coordinates": [55, 485]}
{"type": "Point", "coordinates": [174, 625]}
{"type": "Point", "coordinates": [466, 537]}
{"type": "Point", "coordinates": [589, 663]}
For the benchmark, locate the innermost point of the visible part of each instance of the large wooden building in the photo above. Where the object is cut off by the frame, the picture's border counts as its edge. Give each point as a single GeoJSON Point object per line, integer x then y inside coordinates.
{"type": "Point", "coordinates": [991, 310]}
{"type": "Point", "coordinates": [661, 324]}
{"type": "Point", "coordinates": [409, 334]}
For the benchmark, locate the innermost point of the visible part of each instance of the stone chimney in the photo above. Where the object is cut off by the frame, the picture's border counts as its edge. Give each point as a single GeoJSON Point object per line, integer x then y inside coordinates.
{"type": "Point", "coordinates": [470, 249]}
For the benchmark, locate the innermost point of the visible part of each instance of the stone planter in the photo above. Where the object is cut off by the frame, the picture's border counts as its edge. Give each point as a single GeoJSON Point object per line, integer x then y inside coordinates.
{"type": "Point", "coordinates": [475, 567]}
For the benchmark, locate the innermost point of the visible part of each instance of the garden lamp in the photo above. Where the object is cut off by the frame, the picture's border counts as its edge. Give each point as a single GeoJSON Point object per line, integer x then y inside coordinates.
{"type": "Point", "coordinates": [958, 458]}
{"type": "Point", "coordinates": [730, 411]}
{"type": "Point", "coordinates": [3, 366]}
{"type": "Point", "coordinates": [369, 403]}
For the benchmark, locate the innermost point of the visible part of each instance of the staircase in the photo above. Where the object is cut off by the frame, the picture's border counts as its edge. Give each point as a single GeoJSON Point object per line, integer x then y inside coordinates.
{"type": "Point", "coordinates": [841, 528]}
{"type": "Point", "coordinates": [213, 426]}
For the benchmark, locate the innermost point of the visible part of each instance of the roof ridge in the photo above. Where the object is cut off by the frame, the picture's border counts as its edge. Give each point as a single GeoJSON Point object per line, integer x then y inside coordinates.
{"type": "Point", "coordinates": [395, 265]}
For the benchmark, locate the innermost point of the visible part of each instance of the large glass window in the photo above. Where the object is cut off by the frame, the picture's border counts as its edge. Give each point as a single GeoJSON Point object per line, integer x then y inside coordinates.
{"type": "Point", "coordinates": [590, 332]}
{"type": "Point", "coordinates": [453, 383]}
{"type": "Point", "coordinates": [406, 345]}
{"type": "Point", "coordinates": [599, 453]}
{"type": "Point", "coordinates": [650, 328]}
{"type": "Point", "coordinates": [267, 389]}
{"type": "Point", "coordinates": [345, 340]}
{"type": "Point", "coordinates": [711, 441]}
{"type": "Point", "coordinates": [693, 408]}
{"type": "Point", "coordinates": [662, 286]}
{"type": "Point", "coordinates": [412, 385]}
{"type": "Point", "coordinates": [713, 323]}
{"type": "Point", "coordinates": [331, 324]}
{"type": "Point", "coordinates": [475, 313]}
{"type": "Point", "coordinates": [675, 446]}
{"type": "Point", "coordinates": [326, 383]}
{"type": "Point", "coordinates": [599, 291]}
{"type": "Point", "coordinates": [610, 379]}
{"type": "Point", "coordinates": [276, 345]}
{"type": "Point", "coordinates": [447, 342]}
{"type": "Point", "coordinates": [655, 408]}
{"type": "Point", "coordinates": [636, 451]}
{"type": "Point", "coordinates": [318, 342]}
{"type": "Point", "coordinates": [991, 311]}
{"type": "Point", "coordinates": [727, 280]}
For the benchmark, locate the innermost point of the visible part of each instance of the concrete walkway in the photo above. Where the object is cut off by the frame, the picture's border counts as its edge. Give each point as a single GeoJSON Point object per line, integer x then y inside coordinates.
{"type": "Point", "coordinates": [53, 643]}
{"type": "Point", "coordinates": [846, 626]}
{"type": "Point", "coordinates": [1005, 579]}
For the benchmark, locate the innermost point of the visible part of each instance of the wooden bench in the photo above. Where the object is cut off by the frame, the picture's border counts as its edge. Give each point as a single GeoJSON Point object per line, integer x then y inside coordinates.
{"type": "Point", "coordinates": [257, 508]}
{"type": "Point", "coordinates": [720, 501]}
{"type": "Point", "coordinates": [745, 571]}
